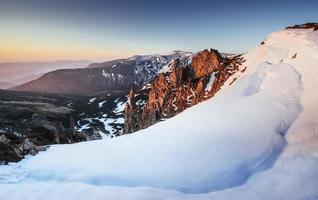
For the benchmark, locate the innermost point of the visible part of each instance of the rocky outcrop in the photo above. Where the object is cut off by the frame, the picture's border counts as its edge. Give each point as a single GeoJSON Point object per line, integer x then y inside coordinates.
{"type": "Point", "coordinates": [313, 26]}
{"type": "Point", "coordinates": [13, 147]}
{"type": "Point", "coordinates": [25, 127]}
{"type": "Point", "coordinates": [205, 62]}
{"type": "Point", "coordinates": [184, 85]}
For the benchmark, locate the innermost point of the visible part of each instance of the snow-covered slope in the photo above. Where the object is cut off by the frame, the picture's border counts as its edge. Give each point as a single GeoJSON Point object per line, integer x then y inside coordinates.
{"type": "Point", "coordinates": [256, 139]}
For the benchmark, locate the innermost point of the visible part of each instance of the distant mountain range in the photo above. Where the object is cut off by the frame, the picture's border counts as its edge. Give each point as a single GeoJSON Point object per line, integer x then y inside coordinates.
{"type": "Point", "coordinates": [5, 85]}
{"type": "Point", "coordinates": [16, 73]}
{"type": "Point", "coordinates": [112, 76]}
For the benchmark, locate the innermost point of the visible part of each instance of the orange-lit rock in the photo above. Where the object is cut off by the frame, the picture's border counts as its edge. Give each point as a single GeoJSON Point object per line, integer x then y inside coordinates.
{"type": "Point", "coordinates": [205, 62]}
{"type": "Point", "coordinates": [182, 87]}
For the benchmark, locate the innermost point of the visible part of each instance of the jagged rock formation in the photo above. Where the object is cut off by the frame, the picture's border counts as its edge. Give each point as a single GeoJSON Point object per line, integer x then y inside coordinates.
{"type": "Point", "coordinates": [188, 81]}
{"type": "Point", "coordinates": [205, 62]}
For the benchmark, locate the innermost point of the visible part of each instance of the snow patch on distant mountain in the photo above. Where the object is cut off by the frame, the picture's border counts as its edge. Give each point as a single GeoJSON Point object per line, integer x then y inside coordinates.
{"type": "Point", "coordinates": [149, 66]}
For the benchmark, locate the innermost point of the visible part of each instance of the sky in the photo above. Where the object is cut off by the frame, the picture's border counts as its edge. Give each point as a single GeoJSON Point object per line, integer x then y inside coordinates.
{"type": "Point", "coordinates": [43, 30]}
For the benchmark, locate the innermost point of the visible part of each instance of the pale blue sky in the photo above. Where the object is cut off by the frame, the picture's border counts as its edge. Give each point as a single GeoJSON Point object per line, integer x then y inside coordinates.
{"type": "Point", "coordinates": [101, 30]}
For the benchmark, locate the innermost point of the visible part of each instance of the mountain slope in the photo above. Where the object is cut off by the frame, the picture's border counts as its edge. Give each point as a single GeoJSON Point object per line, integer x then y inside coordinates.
{"type": "Point", "coordinates": [17, 73]}
{"type": "Point", "coordinates": [256, 139]}
{"type": "Point", "coordinates": [112, 76]}
{"type": "Point", "coordinates": [5, 85]}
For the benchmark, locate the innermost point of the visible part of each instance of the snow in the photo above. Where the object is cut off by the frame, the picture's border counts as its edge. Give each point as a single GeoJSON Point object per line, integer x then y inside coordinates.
{"type": "Point", "coordinates": [210, 83]}
{"type": "Point", "coordinates": [104, 119]}
{"type": "Point", "coordinates": [141, 103]}
{"type": "Point", "coordinates": [185, 58]}
{"type": "Point", "coordinates": [256, 139]}
{"type": "Point", "coordinates": [148, 66]}
{"type": "Point", "coordinates": [167, 68]}
{"type": "Point", "coordinates": [120, 106]}
{"type": "Point", "coordinates": [100, 104]}
{"type": "Point", "coordinates": [113, 76]}
{"type": "Point", "coordinates": [80, 128]}
{"type": "Point", "coordinates": [160, 58]}
{"type": "Point", "coordinates": [83, 127]}
{"type": "Point", "coordinates": [106, 75]}
{"type": "Point", "coordinates": [147, 86]}
{"type": "Point", "coordinates": [92, 100]}
{"type": "Point", "coordinates": [190, 97]}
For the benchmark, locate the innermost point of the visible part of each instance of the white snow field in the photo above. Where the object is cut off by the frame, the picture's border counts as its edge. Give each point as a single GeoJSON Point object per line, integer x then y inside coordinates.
{"type": "Point", "coordinates": [256, 139]}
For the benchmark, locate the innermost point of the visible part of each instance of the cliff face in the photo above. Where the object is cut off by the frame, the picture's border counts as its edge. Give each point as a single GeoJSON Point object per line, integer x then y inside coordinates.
{"type": "Point", "coordinates": [187, 82]}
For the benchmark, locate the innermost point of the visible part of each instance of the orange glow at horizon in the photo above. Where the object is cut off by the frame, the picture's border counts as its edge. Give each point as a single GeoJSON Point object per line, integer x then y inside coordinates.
{"type": "Point", "coordinates": [27, 52]}
{"type": "Point", "coordinates": [40, 47]}
{"type": "Point", "coordinates": [16, 54]}
{"type": "Point", "coordinates": [33, 40]}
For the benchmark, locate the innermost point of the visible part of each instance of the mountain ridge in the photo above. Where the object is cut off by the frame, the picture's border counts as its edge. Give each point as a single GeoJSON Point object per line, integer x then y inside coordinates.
{"type": "Point", "coordinates": [120, 74]}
